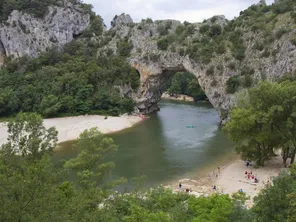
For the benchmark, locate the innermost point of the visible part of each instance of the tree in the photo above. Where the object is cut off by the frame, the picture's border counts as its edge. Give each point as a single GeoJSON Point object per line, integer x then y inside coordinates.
{"type": "Point", "coordinates": [212, 208]}
{"type": "Point", "coordinates": [32, 188]}
{"type": "Point", "coordinates": [29, 138]}
{"type": "Point", "coordinates": [266, 122]}
{"type": "Point", "coordinates": [273, 204]}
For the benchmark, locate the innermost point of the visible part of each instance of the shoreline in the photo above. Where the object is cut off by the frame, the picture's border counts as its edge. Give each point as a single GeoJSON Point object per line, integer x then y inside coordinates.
{"type": "Point", "coordinates": [231, 179]}
{"type": "Point", "coordinates": [180, 97]}
{"type": "Point", "coordinates": [69, 128]}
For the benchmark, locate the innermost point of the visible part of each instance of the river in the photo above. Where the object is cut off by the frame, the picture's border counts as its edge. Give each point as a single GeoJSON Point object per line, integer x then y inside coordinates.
{"type": "Point", "coordinates": [178, 141]}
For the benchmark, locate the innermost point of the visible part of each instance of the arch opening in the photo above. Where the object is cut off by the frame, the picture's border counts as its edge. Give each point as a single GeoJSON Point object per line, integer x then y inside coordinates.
{"type": "Point", "coordinates": [183, 86]}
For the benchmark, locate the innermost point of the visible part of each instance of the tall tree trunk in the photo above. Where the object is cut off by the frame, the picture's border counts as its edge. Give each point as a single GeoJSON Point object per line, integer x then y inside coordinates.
{"type": "Point", "coordinates": [293, 156]}
{"type": "Point", "coordinates": [285, 155]}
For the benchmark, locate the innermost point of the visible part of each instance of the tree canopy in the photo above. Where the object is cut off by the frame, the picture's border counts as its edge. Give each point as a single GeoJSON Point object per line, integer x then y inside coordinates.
{"type": "Point", "coordinates": [265, 121]}
{"type": "Point", "coordinates": [184, 83]}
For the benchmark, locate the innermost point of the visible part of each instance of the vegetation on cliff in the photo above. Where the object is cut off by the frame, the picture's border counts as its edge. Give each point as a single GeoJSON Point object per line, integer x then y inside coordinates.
{"type": "Point", "coordinates": [34, 188]}
{"type": "Point", "coordinates": [35, 7]}
{"type": "Point", "coordinates": [70, 81]}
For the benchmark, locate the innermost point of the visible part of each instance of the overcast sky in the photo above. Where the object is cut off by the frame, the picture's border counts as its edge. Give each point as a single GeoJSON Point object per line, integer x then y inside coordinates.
{"type": "Point", "coordinates": [182, 10]}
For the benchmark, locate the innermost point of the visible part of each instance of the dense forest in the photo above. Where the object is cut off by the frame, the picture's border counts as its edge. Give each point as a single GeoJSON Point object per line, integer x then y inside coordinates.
{"type": "Point", "coordinates": [184, 83]}
{"type": "Point", "coordinates": [34, 188]}
{"type": "Point", "coordinates": [69, 82]}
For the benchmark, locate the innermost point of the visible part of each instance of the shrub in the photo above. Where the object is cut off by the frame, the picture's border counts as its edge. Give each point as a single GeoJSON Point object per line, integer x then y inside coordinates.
{"type": "Point", "coordinates": [265, 53]}
{"type": "Point", "coordinates": [232, 84]}
{"type": "Point", "coordinates": [231, 65]}
{"type": "Point", "coordinates": [239, 53]}
{"type": "Point", "coordinates": [293, 41]}
{"type": "Point", "coordinates": [281, 32]}
{"type": "Point", "coordinates": [163, 44]}
{"type": "Point", "coordinates": [258, 45]}
{"type": "Point", "coordinates": [245, 70]}
{"type": "Point", "coordinates": [210, 71]}
{"type": "Point", "coordinates": [204, 28]}
{"type": "Point", "coordinates": [180, 29]}
{"type": "Point", "coordinates": [215, 30]}
{"type": "Point", "coordinates": [248, 81]}
{"type": "Point", "coordinates": [124, 47]}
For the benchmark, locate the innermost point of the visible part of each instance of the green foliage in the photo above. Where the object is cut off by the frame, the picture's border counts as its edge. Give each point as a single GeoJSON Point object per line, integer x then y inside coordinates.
{"type": "Point", "coordinates": [184, 83]}
{"type": "Point", "coordinates": [33, 188]}
{"type": "Point", "coordinates": [273, 204]}
{"type": "Point", "coordinates": [96, 27]}
{"type": "Point", "coordinates": [293, 41]}
{"type": "Point", "coordinates": [34, 7]}
{"type": "Point", "coordinates": [268, 120]}
{"type": "Point", "coordinates": [163, 43]}
{"type": "Point", "coordinates": [215, 30]}
{"type": "Point", "coordinates": [213, 208]}
{"type": "Point", "coordinates": [239, 53]}
{"type": "Point", "coordinates": [204, 28]}
{"type": "Point", "coordinates": [124, 47]}
{"type": "Point", "coordinates": [72, 82]}
{"type": "Point", "coordinates": [163, 28]}
{"type": "Point", "coordinates": [232, 84]}
{"type": "Point", "coordinates": [210, 71]}
{"type": "Point", "coordinates": [279, 33]}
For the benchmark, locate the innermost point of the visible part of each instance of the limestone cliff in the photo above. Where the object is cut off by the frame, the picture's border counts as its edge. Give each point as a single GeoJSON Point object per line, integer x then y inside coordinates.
{"type": "Point", "coordinates": [161, 48]}
{"type": "Point", "coordinates": [23, 34]}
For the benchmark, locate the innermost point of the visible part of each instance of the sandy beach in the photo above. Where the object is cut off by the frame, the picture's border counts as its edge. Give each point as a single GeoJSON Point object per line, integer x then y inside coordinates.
{"type": "Point", "coordinates": [69, 128]}
{"type": "Point", "coordinates": [232, 178]}
{"type": "Point", "coordinates": [179, 97]}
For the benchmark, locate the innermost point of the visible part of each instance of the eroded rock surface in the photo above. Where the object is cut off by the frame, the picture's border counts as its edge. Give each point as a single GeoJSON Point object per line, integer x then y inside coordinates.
{"type": "Point", "coordinates": [23, 34]}
{"type": "Point", "coordinates": [156, 65]}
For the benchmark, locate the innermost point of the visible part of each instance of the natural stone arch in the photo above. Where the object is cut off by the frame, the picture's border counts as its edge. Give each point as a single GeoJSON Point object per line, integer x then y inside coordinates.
{"type": "Point", "coordinates": [153, 76]}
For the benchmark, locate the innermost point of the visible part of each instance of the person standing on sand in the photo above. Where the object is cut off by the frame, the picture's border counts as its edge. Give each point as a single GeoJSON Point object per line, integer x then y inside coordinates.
{"type": "Point", "coordinates": [180, 186]}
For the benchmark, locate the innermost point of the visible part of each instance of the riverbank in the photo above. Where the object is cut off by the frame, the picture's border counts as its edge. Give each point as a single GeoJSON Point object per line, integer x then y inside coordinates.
{"type": "Point", "coordinates": [180, 97]}
{"type": "Point", "coordinates": [231, 179]}
{"type": "Point", "coordinates": [69, 128]}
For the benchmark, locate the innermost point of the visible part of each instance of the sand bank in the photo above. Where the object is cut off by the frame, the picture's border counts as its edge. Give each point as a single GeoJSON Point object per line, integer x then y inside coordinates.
{"type": "Point", "coordinates": [69, 128]}
{"type": "Point", "coordinates": [179, 97]}
{"type": "Point", "coordinates": [232, 178]}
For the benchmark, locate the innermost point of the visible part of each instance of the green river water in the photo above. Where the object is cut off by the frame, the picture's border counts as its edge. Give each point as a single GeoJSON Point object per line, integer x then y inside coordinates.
{"type": "Point", "coordinates": [179, 141]}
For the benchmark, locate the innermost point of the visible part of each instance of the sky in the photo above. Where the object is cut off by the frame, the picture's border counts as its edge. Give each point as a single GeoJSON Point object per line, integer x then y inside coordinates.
{"type": "Point", "coordinates": [182, 10]}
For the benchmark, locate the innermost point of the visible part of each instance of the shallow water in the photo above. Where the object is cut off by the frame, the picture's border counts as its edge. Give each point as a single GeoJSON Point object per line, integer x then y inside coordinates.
{"type": "Point", "coordinates": [174, 142]}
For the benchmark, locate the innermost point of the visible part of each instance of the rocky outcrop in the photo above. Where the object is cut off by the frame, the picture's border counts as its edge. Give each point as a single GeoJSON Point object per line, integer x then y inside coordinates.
{"type": "Point", "coordinates": [22, 34]}
{"type": "Point", "coordinates": [156, 65]}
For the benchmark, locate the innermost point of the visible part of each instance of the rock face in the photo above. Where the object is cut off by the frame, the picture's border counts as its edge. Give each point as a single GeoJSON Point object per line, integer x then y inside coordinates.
{"type": "Point", "coordinates": [156, 65]}
{"type": "Point", "coordinates": [22, 34]}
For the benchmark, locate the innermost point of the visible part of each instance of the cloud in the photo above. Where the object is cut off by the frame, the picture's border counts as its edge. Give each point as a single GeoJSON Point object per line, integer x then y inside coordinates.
{"type": "Point", "coordinates": [186, 10]}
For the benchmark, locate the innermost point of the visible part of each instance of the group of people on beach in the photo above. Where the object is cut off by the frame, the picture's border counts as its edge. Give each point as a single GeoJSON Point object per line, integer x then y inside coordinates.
{"type": "Point", "coordinates": [187, 190]}
{"type": "Point", "coordinates": [215, 173]}
{"type": "Point", "coordinates": [250, 175]}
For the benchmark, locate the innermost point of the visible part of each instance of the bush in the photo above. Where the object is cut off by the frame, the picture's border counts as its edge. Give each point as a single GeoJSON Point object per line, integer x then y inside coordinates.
{"type": "Point", "coordinates": [215, 30]}
{"type": "Point", "coordinates": [248, 81]}
{"type": "Point", "coordinates": [279, 33]}
{"type": "Point", "coordinates": [210, 71]}
{"type": "Point", "coordinates": [265, 53]}
{"type": "Point", "coordinates": [239, 53]}
{"type": "Point", "coordinates": [163, 44]}
{"type": "Point", "coordinates": [245, 70]}
{"type": "Point", "coordinates": [293, 41]}
{"type": "Point", "coordinates": [180, 29]}
{"type": "Point", "coordinates": [204, 28]}
{"type": "Point", "coordinates": [232, 84]}
{"type": "Point", "coordinates": [124, 47]}
{"type": "Point", "coordinates": [258, 45]}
